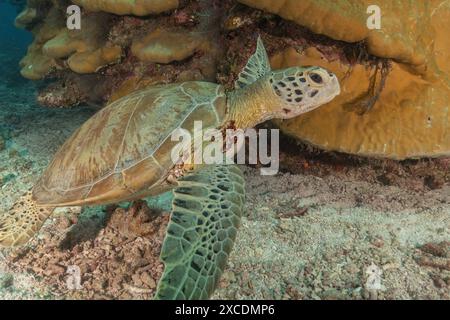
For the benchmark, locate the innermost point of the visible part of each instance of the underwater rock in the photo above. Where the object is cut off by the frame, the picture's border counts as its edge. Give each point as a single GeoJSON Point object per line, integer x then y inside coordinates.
{"type": "Point", "coordinates": [401, 114]}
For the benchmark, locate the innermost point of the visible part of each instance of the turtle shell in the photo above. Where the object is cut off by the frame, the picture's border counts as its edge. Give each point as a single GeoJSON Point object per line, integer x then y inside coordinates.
{"type": "Point", "coordinates": [125, 148]}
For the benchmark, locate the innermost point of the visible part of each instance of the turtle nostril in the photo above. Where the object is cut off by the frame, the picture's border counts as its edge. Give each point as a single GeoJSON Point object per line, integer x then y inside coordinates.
{"type": "Point", "coordinates": [316, 78]}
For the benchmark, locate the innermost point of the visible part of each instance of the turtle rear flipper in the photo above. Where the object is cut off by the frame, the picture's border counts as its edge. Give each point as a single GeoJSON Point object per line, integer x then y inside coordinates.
{"type": "Point", "coordinates": [22, 221]}
{"type": "Point", "coordinates": [206, 212]}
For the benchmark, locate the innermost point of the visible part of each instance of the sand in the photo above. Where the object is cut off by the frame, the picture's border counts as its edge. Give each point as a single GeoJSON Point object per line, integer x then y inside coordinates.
{"type": "Point", "coordinates": [311, 232]}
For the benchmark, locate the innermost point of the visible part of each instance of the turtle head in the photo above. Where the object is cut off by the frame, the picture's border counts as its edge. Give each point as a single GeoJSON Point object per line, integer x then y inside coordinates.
{"type": "Point", "coordinates": [302, 89]}
{"type": "Point", "coordinates": [262, 94]}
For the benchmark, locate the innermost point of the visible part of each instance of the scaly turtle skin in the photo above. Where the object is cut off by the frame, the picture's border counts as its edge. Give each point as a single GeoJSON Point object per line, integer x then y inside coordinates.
{"type": "Point", "coordinates": [124, 153]}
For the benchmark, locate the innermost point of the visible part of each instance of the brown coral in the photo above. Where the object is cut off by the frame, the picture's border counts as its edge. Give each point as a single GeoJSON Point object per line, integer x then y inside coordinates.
{"type": "Point", "coordinates": [141, 43]}
{"type": "Point", "coordinates": [165, 46]}
{"type": "Point", "coordinates": [411, 116]}
{"type": "Point", "coordinates": [35, 65]}
{"type": "Point", "coordinates": [86, 50]}
{"type": "Point", "coordinates": [135, 7]}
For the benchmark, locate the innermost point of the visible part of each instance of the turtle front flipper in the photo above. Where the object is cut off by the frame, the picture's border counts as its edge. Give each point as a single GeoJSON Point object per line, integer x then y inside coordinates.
{"type": "Point", "coordinates": [206, 212]}
{"type": "Point", "coordinates": [22, 221]}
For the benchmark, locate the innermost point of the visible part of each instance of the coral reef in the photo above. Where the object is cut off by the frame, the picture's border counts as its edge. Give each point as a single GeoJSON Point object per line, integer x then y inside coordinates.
{"type": "Point", "coordinates": [35, 65]}
{"type": "Point", "coordinates": [86, 50]}
{"type": "Point", "coordinates": [410, 116]}
{"type": "Point", "coordinates": [394, 103]}
{"type": "Point", "coordinates": [121, 49]}
{"type": "Point", "coordinates": [165, 46]}
{"type": "Point", "coordinates": [122, 7]}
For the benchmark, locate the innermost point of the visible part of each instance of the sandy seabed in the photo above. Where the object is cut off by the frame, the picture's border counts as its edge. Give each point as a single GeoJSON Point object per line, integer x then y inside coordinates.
{"type": "Point", "coordinates": [321, 229]}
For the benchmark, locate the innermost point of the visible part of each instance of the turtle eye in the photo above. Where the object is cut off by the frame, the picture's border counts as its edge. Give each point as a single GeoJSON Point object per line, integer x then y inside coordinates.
{"type": "Point", "coordinates": [316, 78]}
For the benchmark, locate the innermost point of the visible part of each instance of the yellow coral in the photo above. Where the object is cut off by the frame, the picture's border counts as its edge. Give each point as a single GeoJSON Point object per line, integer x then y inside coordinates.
{"type": "Point", "coordinates": [123, 7]}
{"type": "Point", "coordinates": [35, 65]}
{"type": "Point", "coordinates": [91, 61]}
{"type": "Point", "coordinates": [86, 49]}
{"type": "Point", "coordinates": [165, 46]}
{"type": "Point", "coordinates": [25, 17]}
{"type": "Point", "coordinates": [412, 115]}
{"type": "Point", "coordinates": [410, 119]}
{"type": "Point", "coordinates": [403, 35]}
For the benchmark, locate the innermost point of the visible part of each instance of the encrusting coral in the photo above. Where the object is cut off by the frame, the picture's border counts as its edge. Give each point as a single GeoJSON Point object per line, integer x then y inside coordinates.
{"type": "Point", "coordinates": [408, 115]}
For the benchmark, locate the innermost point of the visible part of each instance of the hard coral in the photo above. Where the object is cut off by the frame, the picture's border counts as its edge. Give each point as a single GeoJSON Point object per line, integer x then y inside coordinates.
{"type": "Point", "coordinates": [35, 65]}
{"type": "Point", "coordinates": [165, 46]}
{"type": "Point", "coordinates": [135, 7]}
{"type": "Point", "coordinates": [87, 50]}
{"type": "Point", "coordinates": [32, 13]}
{"type": "Point", "coordinates": [346, 20]}
{"type": "Point", "coordinates": [411, 116]}
{"type": "Point", "coordinates": [409, 119]}
{"type": "Point", "coordinates": [105, 39]}
{"type": "Point", "coordinates": [26, 17]}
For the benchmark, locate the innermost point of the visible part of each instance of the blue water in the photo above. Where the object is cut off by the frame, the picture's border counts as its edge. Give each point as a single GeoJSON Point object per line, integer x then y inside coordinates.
{"type": "Point", "coordinates": [12, 39]}
{"type": "Point", "coordinates": [13, 45]}
{"type": "Point", "coordinates": [19, 111]}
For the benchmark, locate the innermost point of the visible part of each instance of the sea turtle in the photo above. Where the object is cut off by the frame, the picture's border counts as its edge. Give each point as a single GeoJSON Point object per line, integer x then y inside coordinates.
{"type": "Point", "coordinates": [124, 153]}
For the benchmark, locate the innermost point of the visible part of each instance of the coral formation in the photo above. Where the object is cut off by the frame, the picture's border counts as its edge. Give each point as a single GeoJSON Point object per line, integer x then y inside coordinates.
{"type": "Point", "coordinates": [410, 117]}
{"type": "Point", "coordinates": [26, 17]}
{"type": "Point", "coordinates": [86, 50]}
{"type": "Point", "coordinates": [123, 7]}
{"type": "Point", "coordinates": [35, 65]}
{"type": "Point", "coordinates": [165, 46]}
{"type": "Point", "coordinates": [122, 47]}
{"type": "Point", "coordinates": [345, 20]}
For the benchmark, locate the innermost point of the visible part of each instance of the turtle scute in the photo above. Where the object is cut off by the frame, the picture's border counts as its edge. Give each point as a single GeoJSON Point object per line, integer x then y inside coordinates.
{"type": "Point", "coordinates": [126, 147]}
